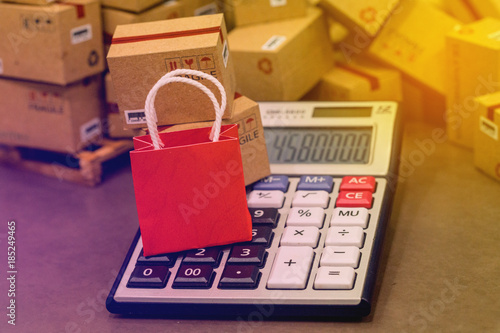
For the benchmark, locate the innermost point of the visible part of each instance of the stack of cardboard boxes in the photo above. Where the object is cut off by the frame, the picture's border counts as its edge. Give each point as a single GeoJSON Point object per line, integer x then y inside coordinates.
{"type": "Point", "coordinates": [51, 58]}
{"type": "Point", "coordinates": [438, 58]}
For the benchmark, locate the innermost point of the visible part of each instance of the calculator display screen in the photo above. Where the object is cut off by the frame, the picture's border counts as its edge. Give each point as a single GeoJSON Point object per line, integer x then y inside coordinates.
{"type": "Point", "coordinates": [318, 145]}
{"type": "Point", "coordinates": [338, 112]}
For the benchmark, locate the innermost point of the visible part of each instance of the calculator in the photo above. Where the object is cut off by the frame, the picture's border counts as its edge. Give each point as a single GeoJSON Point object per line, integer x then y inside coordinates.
{"type": "Point", "coordinates": [318, 224]}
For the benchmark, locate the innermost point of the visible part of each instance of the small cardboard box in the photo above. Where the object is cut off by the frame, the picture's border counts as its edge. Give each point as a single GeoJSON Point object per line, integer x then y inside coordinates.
{"type": "Point", "coordinates": [200, 7]}
{"type": "Point", "coordinates": [281, 60]}
{"type": "Point", "coordinates": [246, 114]}
{"type": "Point", "coordinates": [413, 40]}
{"type": "Point", "coordinates": [142, 53]}
{"type": "Point", "coordinates": [59, 43]}
{"type": "Point", "coordinates": [358, 81]}
{"type": "Point", "coordinates": [114, 121]}
{"type": "Point", "coordinates": [367, 15]}
{"type": "Point", "coordinates": [473, 10]}
{"type": "Point", "coordinates": [50, 117]}
{"type": "Point", "coordinates": [136, 6]}
{"type": "Point", "coordinates": [112, 17]}
{"type": "Point", "coordinates": [486, 141]}
{"type": "Point", "coordinates": [473, 62]}
{"type": "Point", "coordinates": [243, 12]}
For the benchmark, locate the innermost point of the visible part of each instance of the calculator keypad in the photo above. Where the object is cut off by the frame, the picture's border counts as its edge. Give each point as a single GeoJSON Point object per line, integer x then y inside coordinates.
{"type": "Point", "coordinates": [308, 233]}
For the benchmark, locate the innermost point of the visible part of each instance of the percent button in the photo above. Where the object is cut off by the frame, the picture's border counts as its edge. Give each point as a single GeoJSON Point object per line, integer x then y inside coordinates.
{"type": "Point", "coordinates": [310, 216]}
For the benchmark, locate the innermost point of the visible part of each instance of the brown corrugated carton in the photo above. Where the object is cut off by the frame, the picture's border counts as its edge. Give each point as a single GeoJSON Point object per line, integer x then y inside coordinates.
{"type": "Point", "coordinates": [59, 43]}
{"type": "Point", "coordinates": [473, 63]}
{"type": "Point", "coordinates": [136, 6]}
{"type": "Point", "coordinates": [243, 12]}
{"type": "Point", "coordinates": [281, 60]}
{"type": "Point", "coordinates": [200, 7]}
{"type": "Point", "coordinates": [413, 41]}
{"type": "Point", "coordinates": [246, 114]}
{"type": "Point", "coordinates": [366, 15]}
{"type": "Point", "coordinates": [50, 117]}
{"type": "Point", "coordinates": [142, 53]}
{"type": "Point", "coordinates": [114, 121]}
{"type": "Point", "coordinates": [486, 141]}
{"type": "Point", "coordinates": [112, 17]}
{"type": "Point", "coordinates": [358, 81]}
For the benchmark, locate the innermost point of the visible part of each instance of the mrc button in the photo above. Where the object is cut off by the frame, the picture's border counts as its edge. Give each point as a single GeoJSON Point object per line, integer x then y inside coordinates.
{"type": "Point", "coordinates": [362, 199]}
{"type": "Point", "coordinates": [358, 183]}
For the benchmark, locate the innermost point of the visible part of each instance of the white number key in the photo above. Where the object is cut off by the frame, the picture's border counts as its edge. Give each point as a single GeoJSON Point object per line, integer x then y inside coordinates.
{"type": "Point", "coordinates": [291, 268]}
{"type": "Point", "coordinates": [266, 199]}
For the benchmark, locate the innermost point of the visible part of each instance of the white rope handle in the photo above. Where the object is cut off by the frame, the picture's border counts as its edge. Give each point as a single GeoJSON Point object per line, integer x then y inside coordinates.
{"type": "Point", "coordinates": [150, 111]}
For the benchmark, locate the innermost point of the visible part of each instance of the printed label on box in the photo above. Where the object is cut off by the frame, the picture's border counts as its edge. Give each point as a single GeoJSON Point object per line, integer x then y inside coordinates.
{"type": "Point", "coordinates": [135, 116]}
{"type": "Point", "coordinates": [273, 43]}
{"type": "Point", "coordinates": [277, 3]}
{"type": "Point", "coordinates": [90, 129]}
{"type": "Point", "coordinates": [225, 53]}
{"type": "Point", "coordinates": [209, 9]}
{"type": "Point", "coordinates": [1, 66]}
{"type": "Point", "coordinates": [488, 127]}
{"type": "Point", "coordinates": [81, 34]}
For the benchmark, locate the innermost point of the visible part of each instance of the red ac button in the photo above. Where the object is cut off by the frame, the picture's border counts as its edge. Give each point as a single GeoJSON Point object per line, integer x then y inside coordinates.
{"type": "Point", "coordinates": [358, 183]}
{"type": "Point", "coordinates": [354, 199]}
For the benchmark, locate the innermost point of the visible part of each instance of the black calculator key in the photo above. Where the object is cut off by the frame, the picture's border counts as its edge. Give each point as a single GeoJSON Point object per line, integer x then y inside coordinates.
{"type": "Point", "coordinates": [262, 235]}
{"type": "Point", "coordinates": [210, 256]}
{"type": "Point", "coordinates": [264, 216]}
{"type": "Point", "coordinates": [238, 276]}
{"type": "Point", "coordinates": [194, 276]}
{"type": "Point", "coordinates": [247, 254]}
{"type": "Point", "coordinates": [161, 259]}
{"type": "Point", "coordinates": [149, 277]}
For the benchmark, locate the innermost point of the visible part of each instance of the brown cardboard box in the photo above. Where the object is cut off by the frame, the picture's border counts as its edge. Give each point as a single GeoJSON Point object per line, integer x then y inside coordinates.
{"type": "Point", "coordinates": [243, 12]}
{"type": "Point", "coordinates": [112, 17]}
{"type": "Point", "coordinates": [50, 117]}
{"type": "Point", "coordinates": [487, 144]}
{"type": "Point", "coordinates": [473, 62]}
{"type": "Point", "coordinates": [144, 52]}
{"type": "Point", "coordinates": [200, 7]}
{"type": "Point", "coordinates": [357, 81]}
{"type": "Point", "coordinates": [32, 2]}
{"type": "Point", "coordinates": [367, 15]}
{"type": "Point", "coordinates": [58, 43]}
{"type": "Point", "coordinates": [281, 60]}
{"type": "Point", "coordinates": [136, 6]}
{"type": "Point", "coordinates": [114, 121]}
{"type": "Point", "coordinates": [469, 11]}
{"type": "Point", "coordinates": [413, 40]}
{"type": "Point", "coordinates": [246, 114]}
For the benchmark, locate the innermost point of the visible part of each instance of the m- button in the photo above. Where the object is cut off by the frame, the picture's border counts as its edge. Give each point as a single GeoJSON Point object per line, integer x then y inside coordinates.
{"type": "Point", "coordinates": [354, 199]}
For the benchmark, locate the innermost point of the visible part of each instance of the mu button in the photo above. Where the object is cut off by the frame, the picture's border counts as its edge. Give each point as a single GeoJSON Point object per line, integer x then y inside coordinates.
{"type": "Point", "coordinates": [362, 199]}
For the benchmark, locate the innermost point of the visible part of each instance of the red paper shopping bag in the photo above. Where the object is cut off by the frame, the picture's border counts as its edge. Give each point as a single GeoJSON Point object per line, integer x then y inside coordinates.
{"type": "Point", "coordinates": [189, 189]}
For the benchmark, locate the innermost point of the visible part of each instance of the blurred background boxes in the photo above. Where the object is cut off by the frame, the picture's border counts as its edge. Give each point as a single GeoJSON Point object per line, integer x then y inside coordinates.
{"type": "Point", "coordinates": [58, 43]}
{"type": "Point", "coordinates": [136, 6]}
{"type": "Point", "coordinates": [51, 117]}
{"type": "Point", "coordinates": [112, 17]}
{"type": "Point", "coordinates": [142, 53]}
{"type": "Point", "coordinates": [413, 41]}
{"type": "Point", "coordinates": [473, 63]}
{"type": "Point", "coordinates": [366, 15]}
{"type": "Point", "coordinates": [281, 60]}
{"type": "Point", "coordinates": [362, 80]}
{"type": "Point", "coordinates": [487, 144]}
{"type": "Point", "coordinates": [201, 7]}
{"type": "Point", "coordinates": [244, 12]}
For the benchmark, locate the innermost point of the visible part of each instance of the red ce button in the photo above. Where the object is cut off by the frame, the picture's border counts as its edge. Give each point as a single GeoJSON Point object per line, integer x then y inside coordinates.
{"type": "Point", "coordinates": [354, 199]}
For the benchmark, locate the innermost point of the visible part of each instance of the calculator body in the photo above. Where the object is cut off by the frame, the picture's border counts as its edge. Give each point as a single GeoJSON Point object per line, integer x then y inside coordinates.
{"type": "Point", "coordinates": [366, 137]}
